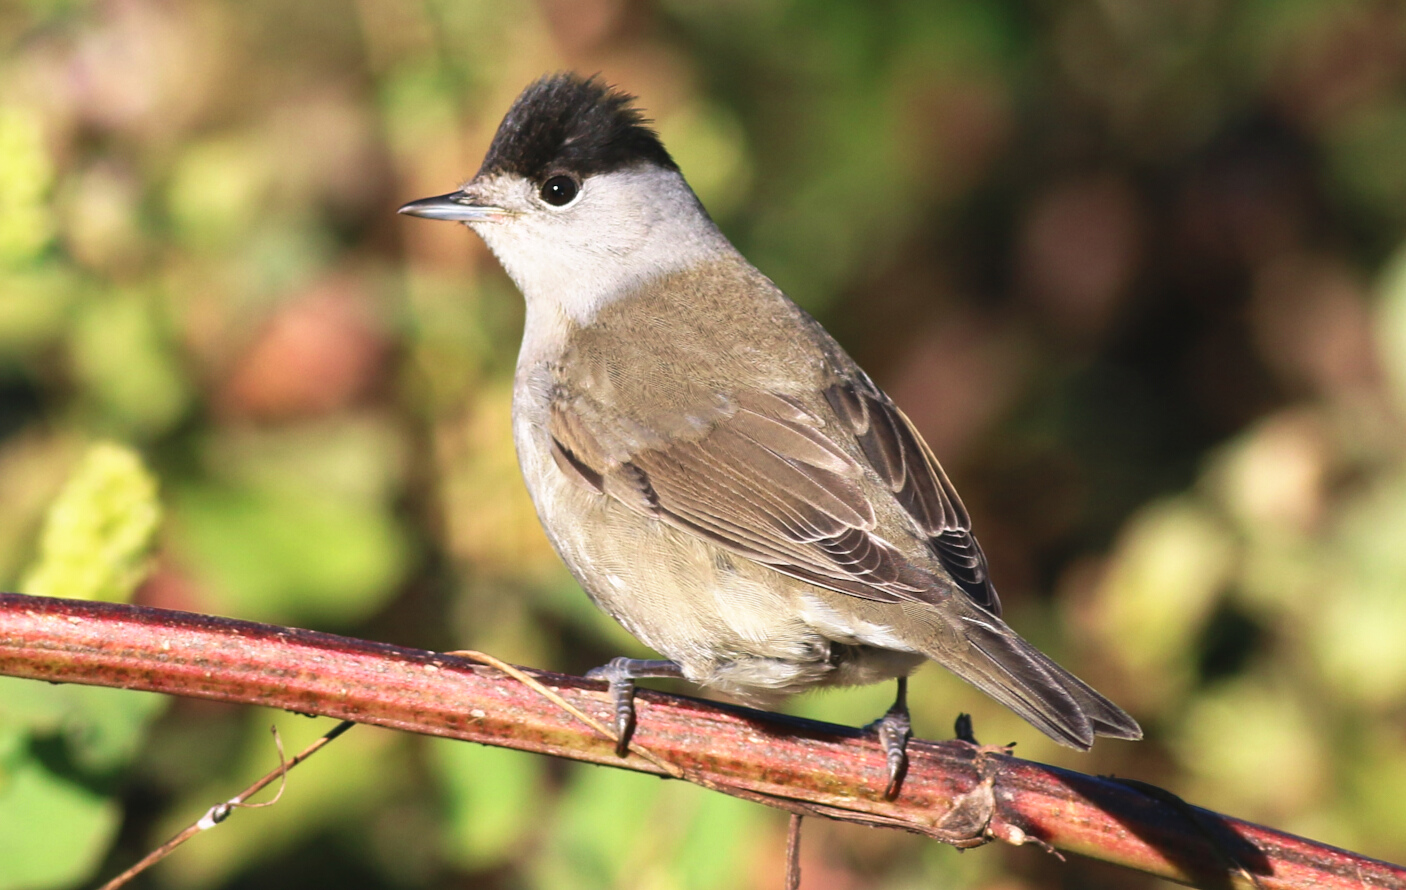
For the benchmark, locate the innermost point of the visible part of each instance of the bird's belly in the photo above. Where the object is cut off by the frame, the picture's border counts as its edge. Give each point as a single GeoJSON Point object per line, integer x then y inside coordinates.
{"type": "Point", "coordinates": [731, 624]}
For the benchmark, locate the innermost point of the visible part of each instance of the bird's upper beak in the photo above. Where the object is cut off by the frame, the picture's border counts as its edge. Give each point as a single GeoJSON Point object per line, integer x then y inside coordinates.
{"type": "Point", "coordinates": [460, 206]}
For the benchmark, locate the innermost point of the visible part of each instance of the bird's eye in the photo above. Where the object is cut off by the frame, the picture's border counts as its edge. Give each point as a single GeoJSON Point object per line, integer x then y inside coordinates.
{"type": "Point", "coordinates": [560, 190]}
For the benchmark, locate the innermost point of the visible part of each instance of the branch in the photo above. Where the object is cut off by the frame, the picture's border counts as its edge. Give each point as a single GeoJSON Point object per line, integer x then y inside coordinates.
{"type": "Point", "coordinates": [954, 791]}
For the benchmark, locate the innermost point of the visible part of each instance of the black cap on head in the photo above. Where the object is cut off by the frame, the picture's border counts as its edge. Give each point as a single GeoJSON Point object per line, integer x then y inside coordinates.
{"type": "Point", "coordinates": [567, 123]}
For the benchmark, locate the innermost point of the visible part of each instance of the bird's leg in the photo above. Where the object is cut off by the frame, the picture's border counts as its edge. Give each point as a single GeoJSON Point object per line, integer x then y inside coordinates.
{"type": "Point", "coordinates": [621, 674]}
{"type": "Point", "coordinates": [895, 728]}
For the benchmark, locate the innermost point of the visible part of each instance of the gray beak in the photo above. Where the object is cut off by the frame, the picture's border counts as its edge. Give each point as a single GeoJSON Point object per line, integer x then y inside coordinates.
{"type": "Point", "coordinates": [457, 206]}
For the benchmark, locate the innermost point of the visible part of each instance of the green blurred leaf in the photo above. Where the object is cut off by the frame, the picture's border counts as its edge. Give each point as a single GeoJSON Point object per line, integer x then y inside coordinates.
{"type": "Point", "coordinates": [126, 363]}
{"type": "Point", "coordinates": [1170, 563]}
{"type": "Point", "coordinates": [713, 852]}
{"type": "Point", "coordinates": [1357, 621]}
{"type": "Point", "coordinates": [1252, 745]}
{"type": "Point", "coordinates": [493, 797]}
{"type": "Point", "coordinates": [102, 728]}
{"type": "Point", "coordinates": [710, 147]}
{"type": "Point", "coordinates": [94, 545]}
{"type": "Point", "coordinates": [490, 521]}
{"type": "Point", "coordinates": [417, 104]}
{"type": "Point", "coordinates": [107, 727]}
{"type": "Point", "coordinates": [217, 190]}
{"type": "Point", "coordinates": [33, 307]}
{"type": "Point", "coordinates": [679, 836]}
{"type": "Point", "coordinates": [583, 855]}
{"type": "Point", "coordinates": [1366, 153]}
{"type": "Point", "coordinates": [1391, 324]}
{"type": "Point", "coordinates": [99, 530]}
{"type": "Point", "coordinates": [356, 457]}
{"type": "Point", "coordinates": [1375, 776]}
{"type": "Point", "coordinates": [33, 470]}
{"type": "Point", "coordinates": [291, 553]}
{"type": "Point", "coordinates": [53, 833]}
{"type": "Point", "coordinates": [26, 175]}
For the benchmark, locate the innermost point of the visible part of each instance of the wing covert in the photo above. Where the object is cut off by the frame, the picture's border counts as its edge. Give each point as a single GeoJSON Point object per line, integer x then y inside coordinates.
{"type": "Point", "coordinates": [903, 460]}
{"type": "Point", "coordinates": [766, 483]}
{"type": "Point", "coordinates": [766, 480]}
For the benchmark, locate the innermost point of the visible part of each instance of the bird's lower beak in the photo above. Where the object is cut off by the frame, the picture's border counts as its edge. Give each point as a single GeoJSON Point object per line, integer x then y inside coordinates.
{"type": "Point", "coordinates": [460, 206]}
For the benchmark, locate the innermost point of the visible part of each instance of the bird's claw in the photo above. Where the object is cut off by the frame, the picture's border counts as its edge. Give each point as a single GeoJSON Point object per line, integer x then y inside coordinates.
{"type": "Point", "coordinates": [894, 730]}
{"type": "Point", "coordinates": [622, 698]}
{"type": "Point", "coordinates": [621, 674]}
{"type": "Point", "coordinates": [622, 694]}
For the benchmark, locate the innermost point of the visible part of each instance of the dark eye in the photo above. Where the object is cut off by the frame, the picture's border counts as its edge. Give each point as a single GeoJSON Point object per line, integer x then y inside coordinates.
{"type": "Point", "coordinates": [559, 190]}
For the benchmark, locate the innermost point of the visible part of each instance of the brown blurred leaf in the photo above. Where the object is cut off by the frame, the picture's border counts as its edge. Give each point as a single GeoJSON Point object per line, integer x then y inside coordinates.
{"type": "Point", "coordinates": [319, 352]}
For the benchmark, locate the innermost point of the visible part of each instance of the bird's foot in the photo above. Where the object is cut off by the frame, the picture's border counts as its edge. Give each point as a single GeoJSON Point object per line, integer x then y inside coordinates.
{"type": "Point", "coordinates": [621, 674]}
{"type": "Point", "coordinates": [894, 729]}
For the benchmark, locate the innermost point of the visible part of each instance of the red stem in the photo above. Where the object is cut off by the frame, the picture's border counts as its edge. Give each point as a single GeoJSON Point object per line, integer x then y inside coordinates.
{"type": "Point", "coordinates": [953, 791]}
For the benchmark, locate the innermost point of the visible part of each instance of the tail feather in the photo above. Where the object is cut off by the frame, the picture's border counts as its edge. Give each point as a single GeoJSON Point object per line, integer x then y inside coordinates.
{"type": "Point", "coordinates": [1107, 718]}
{"type": "Point", "coordinates": [997, 661]}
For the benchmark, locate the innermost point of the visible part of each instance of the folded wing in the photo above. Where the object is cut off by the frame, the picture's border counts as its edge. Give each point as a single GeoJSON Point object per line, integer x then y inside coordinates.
{"type": "Point", "coordinates": [768, 481]}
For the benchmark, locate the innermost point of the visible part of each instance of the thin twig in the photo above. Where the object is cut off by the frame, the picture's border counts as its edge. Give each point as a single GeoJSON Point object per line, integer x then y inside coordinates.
{"type": "Point", "coordinates": [222, 811]}
{"type": "Point", "coordinates": [793, 853]}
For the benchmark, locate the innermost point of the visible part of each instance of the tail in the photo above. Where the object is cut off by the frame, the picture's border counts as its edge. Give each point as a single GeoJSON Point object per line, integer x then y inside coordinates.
{"type": "Point", "coordinates": [998, 662]}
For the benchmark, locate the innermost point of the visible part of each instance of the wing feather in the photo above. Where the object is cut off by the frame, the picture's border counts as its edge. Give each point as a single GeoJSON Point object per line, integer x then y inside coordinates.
{"type": "Point", "coordinates": [768, 480]}
{"type": "Point", "coordinates": [906, 464]}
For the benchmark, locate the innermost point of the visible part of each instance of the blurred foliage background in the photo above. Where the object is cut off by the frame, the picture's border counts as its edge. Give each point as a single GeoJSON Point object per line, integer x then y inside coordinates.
{"type": "Point", "coordinates": [1137, 270]}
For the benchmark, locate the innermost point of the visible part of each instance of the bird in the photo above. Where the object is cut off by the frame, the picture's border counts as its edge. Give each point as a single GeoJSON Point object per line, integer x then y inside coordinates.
{"type": "Point", "coordinates": [714, 469]}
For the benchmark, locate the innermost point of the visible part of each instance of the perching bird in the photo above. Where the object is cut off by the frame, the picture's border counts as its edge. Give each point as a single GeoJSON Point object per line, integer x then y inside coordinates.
{"type": "Point", "coordinates": [718, 474]}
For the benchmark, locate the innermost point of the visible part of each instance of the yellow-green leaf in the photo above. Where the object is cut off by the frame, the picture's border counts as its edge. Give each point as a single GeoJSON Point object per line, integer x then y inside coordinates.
{"type": "Point", "coordinates": [99, 530]}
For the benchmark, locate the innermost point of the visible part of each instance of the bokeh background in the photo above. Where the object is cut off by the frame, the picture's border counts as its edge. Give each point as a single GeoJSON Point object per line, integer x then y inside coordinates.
{"type": "Point", "coordinates": [1137, 271]}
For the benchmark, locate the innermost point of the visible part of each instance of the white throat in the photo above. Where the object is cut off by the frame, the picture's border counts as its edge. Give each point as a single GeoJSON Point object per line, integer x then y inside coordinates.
{"type": "Point", "coordinates": [625, 228]}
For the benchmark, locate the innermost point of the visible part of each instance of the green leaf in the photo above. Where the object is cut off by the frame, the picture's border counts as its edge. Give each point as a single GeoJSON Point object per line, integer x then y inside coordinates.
{"type": "Point", "coordinates": [26, 174]}
{"type": "Point", "coordinates": [291, 553]}
{"type": "Point", "coordinates": [1173, 560]}
{"type": "Point", "coordinates": [99, 530]}
{"type": "Point", "coordinates": [126, 363]}
{"type": "Point", "coordinates": [598, 811]}
{"type": "Point", "coordinates": [217, 188]}
{"type": "Point", "coordinates": [711, 853]}
{"type": "Point", "coordinates": [33, 307]}
{"type": "Point", "coordinates": [614, 829]}
{"type": "Point", "coordinates": [1355, 631]}
{"type": "Point", "coordinates": [1253, 746]}
{"type": "Point", "coordinates": [53, 833]}
{"type": "Point", "coordinates": [102, 728]}
{"type": "Point", "coordinates": [1391, 324]}
{"type": "Point", "coordinates": [490, 794]}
